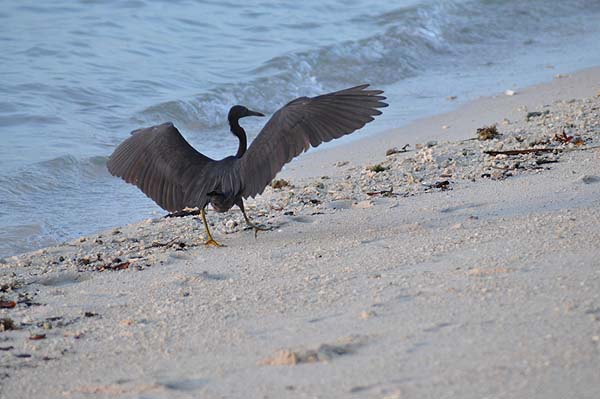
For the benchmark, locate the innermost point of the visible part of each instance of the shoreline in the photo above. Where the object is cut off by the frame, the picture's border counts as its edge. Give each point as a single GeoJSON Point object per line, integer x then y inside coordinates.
{"type": "Point", "coordinates": [579, 84]}
{"type": "Point", "coordinates": [439, 127]}
{"type": "Point", "coordinates": [408, 275]}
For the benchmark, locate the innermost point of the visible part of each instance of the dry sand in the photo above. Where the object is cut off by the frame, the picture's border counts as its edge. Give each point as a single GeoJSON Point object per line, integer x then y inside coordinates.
{"type": "Point", "coordinates": [447, 273]}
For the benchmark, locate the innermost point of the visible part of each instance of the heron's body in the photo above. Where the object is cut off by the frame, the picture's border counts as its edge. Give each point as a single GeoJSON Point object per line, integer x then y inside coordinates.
{"type": "Point", "coordinates": [167, 169]}
{"type": "Point", "coordinates": [223, 200]}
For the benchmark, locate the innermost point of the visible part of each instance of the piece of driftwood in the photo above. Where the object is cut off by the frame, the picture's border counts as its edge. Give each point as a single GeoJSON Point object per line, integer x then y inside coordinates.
{"type": "Point", "coordinates": [157, 244]}
{"type": "Point", "coordinates": [183, 213]}
{"type": "Point", "coordinates": [385, 193]}
{"type": "Point", "coordinates": [521, 152]}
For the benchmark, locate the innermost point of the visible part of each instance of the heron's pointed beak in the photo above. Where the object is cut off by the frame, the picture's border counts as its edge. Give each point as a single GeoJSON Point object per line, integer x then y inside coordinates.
{"type": "Point", "coordinates": [254, 113]}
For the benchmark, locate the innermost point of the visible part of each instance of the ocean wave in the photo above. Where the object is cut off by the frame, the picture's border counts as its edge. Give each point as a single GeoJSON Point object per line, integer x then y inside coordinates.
{"type": "Point", "coordinates": [405, 42]}
{"type": "Point", "coordinates": [63, 173]}
{"type": "Point", "coordinates": [377, 60]}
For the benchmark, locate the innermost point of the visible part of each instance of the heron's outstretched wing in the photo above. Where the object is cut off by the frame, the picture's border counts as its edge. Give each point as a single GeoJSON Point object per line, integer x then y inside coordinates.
{"type": "Point", "coordinates": [302, 123]}
{"type": "Point", "coordinates": [163, 165]}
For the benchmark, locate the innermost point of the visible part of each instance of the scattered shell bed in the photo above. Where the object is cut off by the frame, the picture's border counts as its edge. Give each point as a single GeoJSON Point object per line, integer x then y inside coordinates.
{"type": "Point", "coordinates": [558, 128]}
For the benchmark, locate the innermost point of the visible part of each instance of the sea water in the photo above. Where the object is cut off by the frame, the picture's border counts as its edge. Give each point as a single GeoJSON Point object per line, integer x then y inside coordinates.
{"type": "Point", "coordinates": [77, 76]}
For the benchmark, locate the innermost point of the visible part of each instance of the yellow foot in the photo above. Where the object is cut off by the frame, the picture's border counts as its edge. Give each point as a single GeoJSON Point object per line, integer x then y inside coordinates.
{"type": "Point", "coordinates": [213, 243]}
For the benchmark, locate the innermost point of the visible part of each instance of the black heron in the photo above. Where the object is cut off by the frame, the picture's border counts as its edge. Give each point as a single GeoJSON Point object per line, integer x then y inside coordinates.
{"type": "Point", "coordinates": [170, 171]}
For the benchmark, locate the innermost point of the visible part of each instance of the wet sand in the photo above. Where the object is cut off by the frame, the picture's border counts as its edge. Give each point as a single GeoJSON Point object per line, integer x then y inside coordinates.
{"type": "Point", "coordinates": [441, 271]}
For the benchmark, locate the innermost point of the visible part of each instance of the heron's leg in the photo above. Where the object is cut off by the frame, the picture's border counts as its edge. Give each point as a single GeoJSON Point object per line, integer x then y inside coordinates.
{"type": "Point", "coordinates": [256, 228]}
{"type": "Point", "coordinates": [210, 240]}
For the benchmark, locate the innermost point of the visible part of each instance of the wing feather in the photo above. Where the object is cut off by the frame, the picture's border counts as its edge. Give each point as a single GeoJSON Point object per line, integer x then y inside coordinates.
{"type": "Point", "coordinates": [160, 162]}
{"type": "Point", "coordinates": [302, 123]}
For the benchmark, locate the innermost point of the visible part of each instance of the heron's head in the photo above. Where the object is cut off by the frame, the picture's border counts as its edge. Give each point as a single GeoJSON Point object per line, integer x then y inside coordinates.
{"type": "Point", "coordinates": [239, 111]}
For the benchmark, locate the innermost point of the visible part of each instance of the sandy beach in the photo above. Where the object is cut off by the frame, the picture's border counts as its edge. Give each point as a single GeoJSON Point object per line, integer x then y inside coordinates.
{"type": "Point", "coordinates": [461, 266]}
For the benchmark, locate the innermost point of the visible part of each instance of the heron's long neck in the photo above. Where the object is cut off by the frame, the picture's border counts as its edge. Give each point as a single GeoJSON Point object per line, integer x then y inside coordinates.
{"type": "Point", "coordinates": [239, 132]}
